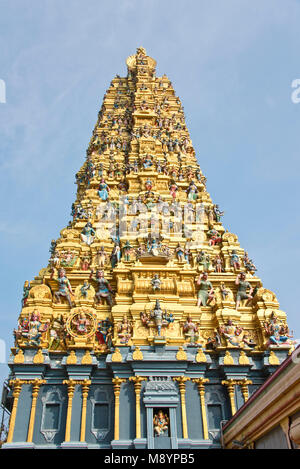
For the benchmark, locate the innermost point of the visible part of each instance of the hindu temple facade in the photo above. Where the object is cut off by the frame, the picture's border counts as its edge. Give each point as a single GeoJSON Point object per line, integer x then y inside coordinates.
{"type": "Point", "coordinates": [149, 327]}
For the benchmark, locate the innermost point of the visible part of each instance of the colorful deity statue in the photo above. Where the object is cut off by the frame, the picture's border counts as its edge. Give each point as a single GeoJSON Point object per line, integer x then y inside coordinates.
{"type": "Point", "coordinates": [248, 263]}
{"type": "Point", "coordinates": [127, 251]}
{"type": "Point", "coordinates": [160, 424]}
{"type": "Point", "coordinates": [203, 260]}
{"type": "Point", "coordinates": [192, 191]}
{"type": "Point", "coordinates": [53, 246]}
{"type": "Point", "coordinates": [206, 291]}
{"type": "Point", "coordinates": [235, 260]}
{"type": "Point", "coordinates": [85, 289]}
{"type": "Point", "coordinates": [56, 332]}
{"type": "Point", "coordinates": [115, 255]}
{"type": "Point", "coordinates": [180, 252]}
{"type": "Point", "coordinates": [101, 257]}
{"type": "Point", "coordinates": [243, 287]}
{"type": "Point", "coordinates": [81, 323]}
{"type": "Point", "coordinates": [32, 330]}
{"type": "Point", "coordinates": [173, 190]}
{"type": "Point", "coordinates": [88, 234]}
{"type": "Point", "coordinates": [26, 289]}
{"type": "Point", "coordinates": [104, 333]}
{"type": "Point", "coordinates": [124, 330]}
{"type": "Point", "coordinates": [191, 331]}
{"type": "Point", "coordinates": [277, 332]}
{"type": "Point", "coordinates": [156, 283]}
{"type": "Point", "coordinates": [214, 237]}
{"type": "Point", "coordinates": [103, 190]}
{"type": "Point", "coordinates": [218, 264]}
{"type": "Point", "coordinates": [147, 162]}
{"type": "Point", "coordinates": [157, 316]}
{"type": "Point", "coordinates": [64, 287]}
{"type": "Point", "coordinates": [153, 246]}
{"type": "Point", "coordinates": [232, 334]}
{"type": "Point", "coordinates": [104, 288]}
{"type": "Point", "coordinates": [217, 213]}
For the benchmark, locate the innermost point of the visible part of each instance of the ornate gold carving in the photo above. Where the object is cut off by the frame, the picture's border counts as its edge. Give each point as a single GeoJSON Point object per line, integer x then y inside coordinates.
{"type": "Point", "coordinates": [19, 358]}
{"type": "Point", "coordinates": [38, 359]}
{"type": "Point", "coordinates": [87, 359]}
{"type": "Point", "coordinates": [228, 359]}
{"type": "Point", "coordinates": [273, 359]}
{"type": "Point", "coordinates": [116, 356]}
{"type": "Point", "coordinates": [72, 358]}
{"type": "Point", "coordinates": [181, 354]}
{"type": "Point", "coordinates": [201, 357]}
{"type": "Point", "coordinates": [243, 359]}
{"type": "Point", "coordinates": [137, 354]}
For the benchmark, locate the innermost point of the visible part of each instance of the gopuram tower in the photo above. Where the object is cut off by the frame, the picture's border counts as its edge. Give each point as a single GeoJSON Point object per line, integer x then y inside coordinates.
{"type": "Point", "coordinates": [149, 326]}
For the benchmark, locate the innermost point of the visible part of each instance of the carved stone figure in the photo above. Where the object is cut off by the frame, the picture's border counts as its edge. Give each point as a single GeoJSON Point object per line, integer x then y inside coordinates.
{"type": "Point", "coordinates": [206, 291]}
{"type": "Point", "coordinates": [88, 234]}
{"type": "Point", "coordinates": [64, 287]}
{"type": "Point", "coordinates": [160, 424]}
{"type": "Point", "coordinates": [277, 332]}
{"type": "Point", "coordinates": [243, 287]}
{"type": "Point", "coordinates": [156, 283]}
{"type": "Point", "coordinates": [190, 330]}
{"type": "Point", "coordinates": [124, 331]}
{"type": "Point", "coordinates": [104, 288]}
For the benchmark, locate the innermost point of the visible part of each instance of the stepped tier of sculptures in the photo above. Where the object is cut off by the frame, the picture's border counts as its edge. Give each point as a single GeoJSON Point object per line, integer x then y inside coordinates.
{"type": "Point", "coordinates": [145, 257]}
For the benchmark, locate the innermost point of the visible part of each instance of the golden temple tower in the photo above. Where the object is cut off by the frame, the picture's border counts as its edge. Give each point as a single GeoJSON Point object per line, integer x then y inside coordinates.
{"type": "Point", "coordinates": [146, 285]}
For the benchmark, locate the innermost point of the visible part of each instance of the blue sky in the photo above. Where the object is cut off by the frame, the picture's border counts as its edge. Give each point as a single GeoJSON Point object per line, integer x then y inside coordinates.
{"type": "Point", "coordinates": [231, 62]}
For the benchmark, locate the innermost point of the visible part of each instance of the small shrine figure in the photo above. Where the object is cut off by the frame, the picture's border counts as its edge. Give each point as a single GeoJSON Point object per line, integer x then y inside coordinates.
{"type": "Point", "coordinates": [278, 333]}
{"type": "Point", "coordinates": [206, 291]}
{"type": "Point", "coordinates": [214, 237]}
{"type": "Point", "coordinates": [101, 257]}
{"type": "Point", "coordinates": [88, 234]}
{"type": "Point", "coordinates": [103, 190]}
{"type": "Point", "coordinates": [81, 323]}
{"type": "Point", "coordinates": [85, 264]}
{"type": "Point", "coordinates": [210, 216]}
{"type": "Point", "coordinates": [217, 213]}
{"type": "Point", "coordinates": [153, 246]}
{"type": "Point", "coordinates": [104, 333]}
{"type": "Point", "coordinates": [160, 424]}
{"type": "Point", "coordinates": [148, 185]}
{"type": "Point", "coordinates": [214, 341]}
{"type": "Point", "coordinates": [53, 246]}
{"type": "Point", "coordinates": [187, 255]}
{"type": "Point", "coordinates": [26, 289]}
{"type": "Point", "coordinates": [64, 287]}
{"type": "Point", "coordinates": [84, 289]}
{"type": "Point", "coordinates": [235, 260]}
{"type": "Point", "coordinates": [124, 331]}
{"type": "Point", "coordinates": [56, 332]}
{"type": "Point", "coordinates": [147, 162]}
{"type": "Point", "coordinates": [218, 264]}
{"type": "Point", "coordinates": [180, 253]}
{"type": "Point", "coordinates": [115, 255]}
{"type": "Point", "coordinates": [192, 191]}
{"type": "Point", "coordinates": [158, 316]}
{"type": "Point", "coordinates": [232, 334]}
{"type": "Point", "coordinates": [248, 263]}
{"type": "Point", "coordinates": [156, 283]}
{"type": "Point", "coordinates": [203, 260]}
{"type": "Point", "coordinates": [173, 190]}
{"type": "Point", "coordinates": [190, 330]}
{"type": "Point", "coordinates": [243, 286]}
{"type": "Point", "coordinates": [34, 329]}
{"type": "Point", "coordinates": [224, 291]}
{"type": "Point", "coordinates": [127, 251]}
{"type": "Point", "coordinates": [104, 288]}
